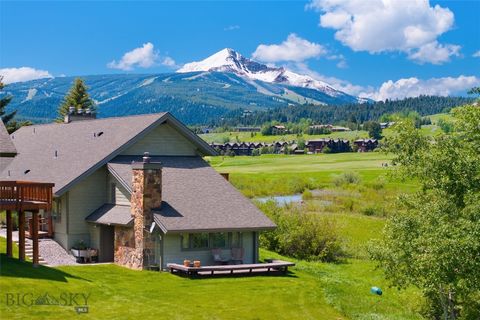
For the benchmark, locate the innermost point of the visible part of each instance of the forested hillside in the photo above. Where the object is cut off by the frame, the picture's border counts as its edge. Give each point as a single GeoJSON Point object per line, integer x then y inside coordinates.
{"type": "Point", "coordinates": [424, 105]}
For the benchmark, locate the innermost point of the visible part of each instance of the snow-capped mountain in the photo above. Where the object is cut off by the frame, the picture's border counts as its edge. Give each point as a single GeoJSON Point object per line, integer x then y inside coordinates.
{"type": "Point", "coordinates": [228, 60]}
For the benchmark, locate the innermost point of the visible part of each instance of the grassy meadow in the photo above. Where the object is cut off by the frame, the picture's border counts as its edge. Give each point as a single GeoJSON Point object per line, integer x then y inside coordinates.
{"type": "Point", "coordinates": [312, 290]}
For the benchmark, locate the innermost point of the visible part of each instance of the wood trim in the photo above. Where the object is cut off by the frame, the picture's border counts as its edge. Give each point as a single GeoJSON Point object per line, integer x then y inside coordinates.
{"type": "Point", "coordinates": [9, 233]}
{"type": "Point", "coordinates": [21, 235]}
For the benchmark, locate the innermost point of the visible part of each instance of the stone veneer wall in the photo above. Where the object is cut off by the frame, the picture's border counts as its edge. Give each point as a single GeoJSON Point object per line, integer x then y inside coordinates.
{"type": "Point", "coordinates": [146, 195]}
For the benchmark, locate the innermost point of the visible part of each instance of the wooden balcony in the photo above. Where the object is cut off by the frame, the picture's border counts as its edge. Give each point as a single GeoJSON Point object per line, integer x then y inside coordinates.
{"type": "Point", "coordinates": [21, 196]}
{"type": "Point", "coordinates": [25, 196]}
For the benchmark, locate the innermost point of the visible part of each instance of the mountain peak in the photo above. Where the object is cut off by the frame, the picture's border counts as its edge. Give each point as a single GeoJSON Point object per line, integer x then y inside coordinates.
{"type": "Point", "coordinates": [229, 60]}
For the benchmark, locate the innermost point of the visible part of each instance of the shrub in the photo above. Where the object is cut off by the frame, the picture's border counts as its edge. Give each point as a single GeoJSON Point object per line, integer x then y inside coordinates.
{"type": "Point", "coordinates": [307, 195]}
{"type": "Point", "coordinates": [301, 235]}
{"type": "Point", "coordinates": [374, 211]}
{"type": "Point", "coordinates": [349, 204]}
{"type": "Point", "coordinates": [346, 178]}
{"type": "Point", "coordinates": [378, 183]}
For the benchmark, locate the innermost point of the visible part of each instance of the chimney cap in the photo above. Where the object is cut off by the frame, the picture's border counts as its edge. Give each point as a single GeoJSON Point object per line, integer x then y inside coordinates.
{"type": "Point", "coordinates": [146, 157]}
{"type": "Point", "coordinates": [146, 163]}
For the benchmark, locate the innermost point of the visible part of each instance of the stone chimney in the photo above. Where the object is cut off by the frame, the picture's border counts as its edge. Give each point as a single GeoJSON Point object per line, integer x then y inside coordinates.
{"type": "Point", "coordinates": [146, 195]}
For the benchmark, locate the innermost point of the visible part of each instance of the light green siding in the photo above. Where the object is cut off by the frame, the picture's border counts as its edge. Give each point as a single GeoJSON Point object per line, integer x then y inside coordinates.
{"type": "Point", "coordinates": [163, 141]}
{"type": "Point", "coordinates": [173, 253]}
{"type": "Point", "coordinates": [60, 225]}
{"type": "Point", "coordinates": [84, 198]}
{"type": "Point", "coordinates": [94, 235]}
{"type": "Point", "coordinates": [122, 197]}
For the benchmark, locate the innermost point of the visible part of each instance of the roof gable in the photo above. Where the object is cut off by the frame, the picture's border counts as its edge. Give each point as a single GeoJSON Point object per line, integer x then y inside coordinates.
{"type": "Point", "coordinates": [195, 197]}
{"type": "Point", "coordinates": [6, 146]}
{"type": "Point", "coordinates": [67, 153]}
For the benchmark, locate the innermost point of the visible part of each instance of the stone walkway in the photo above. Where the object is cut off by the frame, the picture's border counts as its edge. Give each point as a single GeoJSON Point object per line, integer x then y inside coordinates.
{"type": "Point", "coordinates": [50, 251]}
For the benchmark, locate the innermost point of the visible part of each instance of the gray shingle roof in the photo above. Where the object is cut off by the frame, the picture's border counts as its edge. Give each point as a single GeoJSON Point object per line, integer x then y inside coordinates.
{"type": "Point", "coordinates": [195, 197]}
{"type": "Point", "coordinates": [79, 147]}
{"type": "Point", "coordinates": [111, 215]}
{"type": "Point", "coordinates": [6, 145]}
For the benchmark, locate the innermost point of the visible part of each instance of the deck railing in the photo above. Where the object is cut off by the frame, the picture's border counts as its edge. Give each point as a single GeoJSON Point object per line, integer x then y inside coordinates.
{"type": "Point", "coordinates": [20, 192]}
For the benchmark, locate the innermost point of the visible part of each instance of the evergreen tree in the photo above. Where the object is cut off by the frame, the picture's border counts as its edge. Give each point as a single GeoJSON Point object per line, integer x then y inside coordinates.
{"type": "Point", "coordinates": [7, 118]}
{"type": "Point", "coordinates": [77, 97]}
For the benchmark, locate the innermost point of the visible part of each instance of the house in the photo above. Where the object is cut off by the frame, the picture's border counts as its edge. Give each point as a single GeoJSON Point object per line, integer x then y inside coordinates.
{"type": "Point", "coordinates": [385, 125]}
{"type": "Point", "coordinates": [136, 208]}
{"type": "Point", "coordinates": [365, 145]}
{"type": "Point", "coordinates": [335, 145]}
{"type": "Point", "coordinates": [278, 129]}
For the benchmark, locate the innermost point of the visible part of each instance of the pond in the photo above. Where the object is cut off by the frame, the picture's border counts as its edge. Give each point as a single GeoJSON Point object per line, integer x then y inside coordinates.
{"type": "Point", "coordinates": [282, 200]}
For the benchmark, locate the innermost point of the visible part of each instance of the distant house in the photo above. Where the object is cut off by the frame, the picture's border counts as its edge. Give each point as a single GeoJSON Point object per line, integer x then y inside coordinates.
{"type": "Point", "coordinates": [137, 209]}
{"type": "Point", "coordinates": [335, 145]}
{"type": "Point", "coordinates": [278, 129]}
{"type": "Point", "coordinates": [365, 145]}
{"type": "Point", "coordinates": [385, 125]}
{"type": "Point", "coordinates": [328, 127]}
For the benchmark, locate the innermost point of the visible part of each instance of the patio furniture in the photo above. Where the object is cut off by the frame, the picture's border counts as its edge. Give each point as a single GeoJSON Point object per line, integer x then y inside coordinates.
{"type": "Point", "coordinates": [217, 256]}
{"type": "Point", "coordinates": [237, 255]}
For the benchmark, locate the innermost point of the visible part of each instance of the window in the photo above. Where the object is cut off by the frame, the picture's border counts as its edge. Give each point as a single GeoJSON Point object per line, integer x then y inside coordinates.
{"type": "Point", "coordinates": [219, 240]}
{"type": "Point", "coordinates": [235, 239]}
{"type": "Point", "coordinates": [185, 241]}
{"type": "Point", "coordinates": [195, 241]}
{"type": "Point", "coordinates": [205, 241]}
{"type": "Point", "coordinates": [199, 240]}
{"type": "Point", "coordinates": [57, 210]}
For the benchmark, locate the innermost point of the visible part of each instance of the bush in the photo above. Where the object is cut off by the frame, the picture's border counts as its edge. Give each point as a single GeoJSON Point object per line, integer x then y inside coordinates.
{"type": "Point", "coordinates": [374, 211]}
{"type": "Point", "coordinates": [378, 183]}
{"type": "Point", "coordinates": [346, 178]}
{"type": "Point", "coordinates": [349, 204]}
{"type": "Point", "coordinates": [301, 235]}
{"type": "Point", "coordinates": [307, 195]}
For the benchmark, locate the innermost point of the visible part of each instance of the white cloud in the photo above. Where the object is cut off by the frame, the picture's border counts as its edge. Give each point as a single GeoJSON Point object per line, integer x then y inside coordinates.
{"type": "Point", "coordinates": [385, 25]}
{"type": "Point", "coordinates": [292, 49]}
{"type": "Point", "coordinates": [435, 53]}
{"type": "Point", "coordinates": [402, 88]}
{"type": "Point", "coordinates": [414, 87]}
{"type": "Point", "coordinates": [231, 28]}
{"type": "Point", "coordinates": [169, 62]}
{"type": "Point", "coordinates": [23, 74]}
{"type": "Point", "coordinates": [143, 57]}
{"type": "Point", "coordinates": [342, 62]}
{"type": "Point", "coordinates": [476, 54]}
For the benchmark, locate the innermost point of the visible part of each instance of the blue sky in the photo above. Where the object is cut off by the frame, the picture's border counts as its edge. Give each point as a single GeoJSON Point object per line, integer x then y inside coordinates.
{"type": "Point", "coordinates": [434, 42]}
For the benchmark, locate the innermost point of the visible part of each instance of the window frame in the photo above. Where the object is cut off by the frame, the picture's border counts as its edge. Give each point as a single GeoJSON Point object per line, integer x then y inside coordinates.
{"type": "Point", "coordinates": [228, 241]}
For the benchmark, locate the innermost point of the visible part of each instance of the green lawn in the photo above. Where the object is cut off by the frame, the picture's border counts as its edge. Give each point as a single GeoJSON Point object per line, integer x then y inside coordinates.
{"type": "Point", "coordinates": [267, 175]}
{"type": "Point", "coordinates": [312, 290]}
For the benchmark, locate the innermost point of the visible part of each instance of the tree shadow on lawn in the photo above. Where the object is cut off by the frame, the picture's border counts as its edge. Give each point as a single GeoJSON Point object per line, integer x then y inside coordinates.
{"type": "Point", "coordinates": [11, 267]}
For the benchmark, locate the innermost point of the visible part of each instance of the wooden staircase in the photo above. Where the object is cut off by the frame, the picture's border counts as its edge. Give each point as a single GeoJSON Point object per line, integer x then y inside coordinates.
{"type": "Point", "coordinates": [29, 253]}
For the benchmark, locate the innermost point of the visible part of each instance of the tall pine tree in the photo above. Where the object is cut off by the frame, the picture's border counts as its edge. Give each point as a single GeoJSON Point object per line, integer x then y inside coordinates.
{"type": "Point", "coordinates": [7, 118]}
{"type": "Point", "coordinates": [77, 97]}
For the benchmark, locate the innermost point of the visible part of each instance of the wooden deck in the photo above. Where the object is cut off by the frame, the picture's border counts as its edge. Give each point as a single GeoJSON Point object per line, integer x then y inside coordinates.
{"type": "Point", "coordinates": [276, 266]}
{"type": "Point", "coordinates": [21, 196]}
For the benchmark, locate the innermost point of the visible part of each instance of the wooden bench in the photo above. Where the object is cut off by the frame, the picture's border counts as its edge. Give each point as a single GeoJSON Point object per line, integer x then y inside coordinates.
{"type": "Point", "coordinates": [273, 266]}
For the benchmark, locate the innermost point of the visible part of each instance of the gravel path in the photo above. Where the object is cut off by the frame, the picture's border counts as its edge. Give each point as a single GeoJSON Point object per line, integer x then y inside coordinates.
{"type": "Point", "coordinates": [53, 253]}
